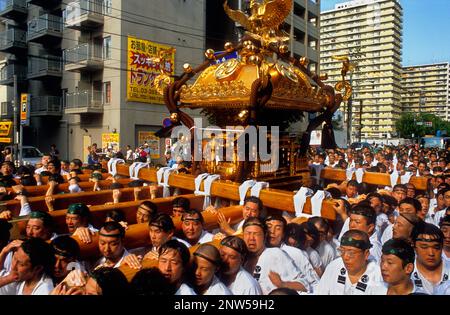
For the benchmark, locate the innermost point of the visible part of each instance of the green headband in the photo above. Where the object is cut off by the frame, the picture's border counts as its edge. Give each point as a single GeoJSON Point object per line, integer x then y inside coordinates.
{"type": "Point", "coordinates": [350, 241]}
{"type": "Point", "coordinates": [79, 209]}
{"type": "Point", "coordinates": [400, 253]}
{"type": "Point", "coordinates": [39, 215]}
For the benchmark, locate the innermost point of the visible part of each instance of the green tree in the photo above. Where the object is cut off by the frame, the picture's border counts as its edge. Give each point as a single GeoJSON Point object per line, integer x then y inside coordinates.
{"type": "Point", "coordinates": [411, 123]}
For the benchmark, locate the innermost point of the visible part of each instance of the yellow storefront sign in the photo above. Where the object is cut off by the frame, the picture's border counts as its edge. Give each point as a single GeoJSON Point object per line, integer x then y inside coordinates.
{"type": "Point", "coordinates": [5, 129]}
{"type": "Point", "coordinates": [143, 68]}
{"type": "Point", "coordinates": [110, 140]}
{"type": "Point", "coordinates": [153, 142]}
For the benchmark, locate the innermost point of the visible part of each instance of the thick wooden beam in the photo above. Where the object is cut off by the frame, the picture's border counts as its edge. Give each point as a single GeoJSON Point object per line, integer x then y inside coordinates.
{"type": "Point", "coordinates": [272, 198]}
{"type": "Point", "coordinates": [35, 191]}
{"type": "Point", "coordinates": [137, 234]}
{"type": "Point", "coordinates": [372, 178]}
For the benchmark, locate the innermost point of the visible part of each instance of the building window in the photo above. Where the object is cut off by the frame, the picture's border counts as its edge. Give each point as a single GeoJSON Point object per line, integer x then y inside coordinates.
{"type": "Point", "coordinates": [107, 47]}
{"type": "Point", "coordinates": [107, 6]}
{"type": "Point", "coordinates": [107, 91]}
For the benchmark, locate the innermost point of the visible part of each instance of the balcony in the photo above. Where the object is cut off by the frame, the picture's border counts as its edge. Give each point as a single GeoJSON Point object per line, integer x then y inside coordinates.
{"type": "Point", "coordinates": [46, 29]}
{"type": "Point", "coordinates": [46, 106]}
{"type": "Point", "coordinates": [47, 4]}
{"type": "Point", "coordinates": [7, 74]}
{"type": "Point", "coordinates": [6, 110]}
{"type": "Point", "coordinates": [13, 9]}
{"type": "Point", "coordinates": [84, 14]}
{"type": "Point", "coordinates": [84, 57]}
{"type": "Point", "coordinates": [84, 102]}
{"type": "Point", "coordinates": [13, 40]}
{"type": "Point", "coordinates": [44, 67]}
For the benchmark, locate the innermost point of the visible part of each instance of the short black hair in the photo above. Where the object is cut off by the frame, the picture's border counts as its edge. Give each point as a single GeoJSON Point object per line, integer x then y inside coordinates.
{"type": "Point", "coordinates": [192, 212]}
{"type": "Point", "coordinates": [179, 247]}
{"type": "Point", "coordinates": [112, 226]}
{"type": "Point", "coordinates": [116, 215]}
{"type": "Point", "coordinates": [400, 248]}
{"type": "Point", "coordinates": [66, 246]}
{"type": "Point", "coordinates": [366, 211]}
{"type": "Point", "coordinates": [150, 282]}
{"type": "Point", "coordinates": [181, 202]}
{"type": "Point", "coordinates": [136, 183]}
{"type": "Point", "coordinates": [293, 230]}
{"type": "Point", "coordinates": [56, 178]}
{"type": "Point", "coordinates": [153, 207]}
{"type": "Point", "coordinates": [41, 253]}
{"type": "Point", "coordinates": [310, 229]}
{"type": "Point", "coordinates": [28, 181]}
{"type": "Point", "coordinates": [112, 281]}
{"type": "Point", "coordinates": [321, 221]}
{"type": "Point", "coordinates": [77, 162]}
{"type": "Point", "coordinates": [283, 291]}
{"type": "Point", "coordinates": [163, 221]}
{"type": "Point", "coordinates": [255, 221]}
{"type": "Point", "coordinates": [413, 202]}
{"type": "Point", "coordinates": [255, 200]}
{"type": "Point", "coordinates": [276, 217]}
{"type": "Point", "coordinates": [427, 229]}
{"type": "Point", "coordinates": [353, 183]}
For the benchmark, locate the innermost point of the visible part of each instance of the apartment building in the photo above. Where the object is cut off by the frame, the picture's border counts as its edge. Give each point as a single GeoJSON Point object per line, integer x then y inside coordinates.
{"type": "Point", "coordinates": [370, 33]}
{"type": "Point", "coordinates": [72, 58]}
{"type": "Point", "coordinates": [426, 89]}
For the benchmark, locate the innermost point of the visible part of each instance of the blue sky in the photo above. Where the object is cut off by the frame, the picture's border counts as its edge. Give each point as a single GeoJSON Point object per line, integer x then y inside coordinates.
{"type": "Point", "coordinates": [426, 30]}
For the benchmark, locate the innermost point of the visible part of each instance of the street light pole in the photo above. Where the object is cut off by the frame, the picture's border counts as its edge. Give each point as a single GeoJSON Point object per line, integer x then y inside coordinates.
{"type": "Point", "coordinates": [349, 114]}
{"type": "Point", "coordinates": [360, 119]}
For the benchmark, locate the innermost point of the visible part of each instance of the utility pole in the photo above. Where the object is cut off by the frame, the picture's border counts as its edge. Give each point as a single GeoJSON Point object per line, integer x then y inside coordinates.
{"type": "Point", "coordinates": [15, 110]}
{"type": "Point", "coordinates": [360, 119]}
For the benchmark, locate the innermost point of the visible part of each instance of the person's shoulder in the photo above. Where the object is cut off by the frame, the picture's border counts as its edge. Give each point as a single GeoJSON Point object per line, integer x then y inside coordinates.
{"type": "Point", "coordinates": [185, 290]}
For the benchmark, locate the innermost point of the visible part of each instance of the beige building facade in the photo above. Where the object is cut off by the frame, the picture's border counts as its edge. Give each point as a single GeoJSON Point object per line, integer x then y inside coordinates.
{"type": "Point", "coordinates": [426, 89]}
{"type": "Point", "coordinates": [370, 33]}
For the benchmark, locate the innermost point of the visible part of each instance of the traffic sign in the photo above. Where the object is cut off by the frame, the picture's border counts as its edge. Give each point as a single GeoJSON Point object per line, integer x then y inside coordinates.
{"type": "Point", "coordinates": [25, 109]}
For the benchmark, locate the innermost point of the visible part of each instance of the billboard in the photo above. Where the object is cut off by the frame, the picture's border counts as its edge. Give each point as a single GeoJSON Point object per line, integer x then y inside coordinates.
{"type": "Point", "coordinates": [5, 129]}
{"type": "Point", "coordinates": [153, 142]}
{"type": "Point", "coordinates": [110, 140]}
{"type": "Point", "coordinates": [143, 67]}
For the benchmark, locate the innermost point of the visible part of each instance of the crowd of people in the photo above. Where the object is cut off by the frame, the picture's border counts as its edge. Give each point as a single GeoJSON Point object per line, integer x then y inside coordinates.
{"type": "Point", "coordinates": [385, 240]}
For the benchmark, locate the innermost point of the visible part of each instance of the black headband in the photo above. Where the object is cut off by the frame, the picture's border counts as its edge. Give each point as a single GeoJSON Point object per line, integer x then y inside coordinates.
{"type": "Point", "coordinates": [253, 223]}
{"type": "Point", "coordinates": [229, 243]}
{"type": "Point", "coordinates": [350, 241]}
{"type": "Point", "coordinates": [217, 263]}
{"type": "Point", "coordinates": [118, 235]}
{"type": "Point", "coordinates": [404, 217]}
{"type": "Point", "coordinates": [63, 253]}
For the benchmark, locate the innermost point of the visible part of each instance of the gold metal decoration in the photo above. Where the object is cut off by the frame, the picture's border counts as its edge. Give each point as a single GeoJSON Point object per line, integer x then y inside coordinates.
{"type": "Point", "coordinates": [226, 69]}
{"type": "Point", "coordinates": [347, 66]}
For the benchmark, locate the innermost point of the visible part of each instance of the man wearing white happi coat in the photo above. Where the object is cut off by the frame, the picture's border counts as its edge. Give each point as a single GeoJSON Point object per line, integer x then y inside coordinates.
{"type": "Point", "coordinates": [272, 267]}
{"type": "Point", "coordinates": [352, 273]}
{"type": "Point", "coordinates": [233, 252]}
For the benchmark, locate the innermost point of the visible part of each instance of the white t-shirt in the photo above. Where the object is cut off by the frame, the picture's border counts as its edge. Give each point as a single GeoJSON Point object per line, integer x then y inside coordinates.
{"type": "Point", "coordinates": [43, 287]}
{"type": "Point", "coordinates": [387, 234]}
{"type": "Point", "coordinates": [438, 216]}
{"type": "Point", "coordinates": [245, 284]}
{"type": "Point", "coordinates": [382, 289]}
{"type": "Point", "coordinates": [102, 260]}
{"type": "Point", "coordinates": [184, 289]}
{"type": "Point", "coordinates": [375, 250]}
{"type": "Point", "coordinates": [326, 252]}
{"type": "Point", "coordinates": [276, 260]}
{"type": "Point", "coordinates": [335, 280]}
{"type": "Point", "coordinates": [205, 237]}
{"type": "Point", "coordinates": [314, 258]}
{"type": "Point", "coordinates": [9, 289]}
{"type": "Point", "coordinates": [301, 260]}
{"type": "Point", "coordinates": [428, 287]}
{"type": "Point", "coordinates": [217, 288]}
